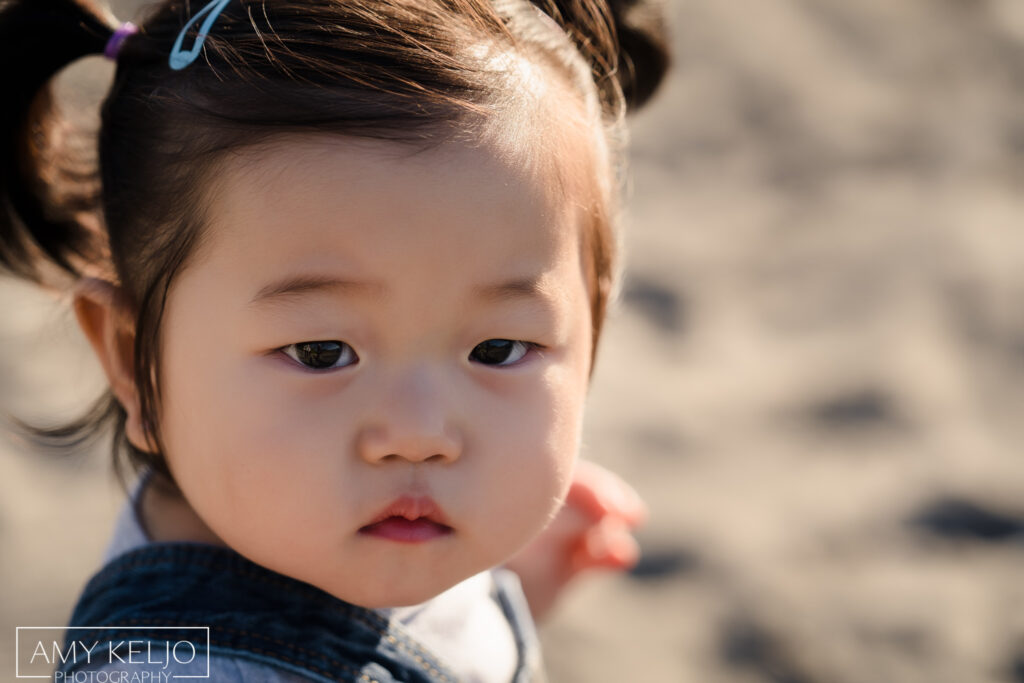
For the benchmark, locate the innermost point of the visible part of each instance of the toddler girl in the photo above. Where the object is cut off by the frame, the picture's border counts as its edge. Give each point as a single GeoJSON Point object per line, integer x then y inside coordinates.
{"type": "Point", "coordinates": [345, 264]}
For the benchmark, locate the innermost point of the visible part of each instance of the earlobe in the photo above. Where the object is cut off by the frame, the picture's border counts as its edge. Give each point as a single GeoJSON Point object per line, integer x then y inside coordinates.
{"type": "Point", "coordinates": [107, 323]}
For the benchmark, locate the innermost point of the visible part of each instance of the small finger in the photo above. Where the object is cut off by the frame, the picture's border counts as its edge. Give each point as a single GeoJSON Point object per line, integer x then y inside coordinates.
{"type": "Point", "coordinates": [599, 492]}
{"type": "Point", "coordinates": [608, 546]}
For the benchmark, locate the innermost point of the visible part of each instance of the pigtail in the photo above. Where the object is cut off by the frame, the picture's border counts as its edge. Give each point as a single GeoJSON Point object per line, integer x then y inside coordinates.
{"type": "Point", "coordinates": [49, 191]}
{"type": "Point", "coordinates": [625, 42]}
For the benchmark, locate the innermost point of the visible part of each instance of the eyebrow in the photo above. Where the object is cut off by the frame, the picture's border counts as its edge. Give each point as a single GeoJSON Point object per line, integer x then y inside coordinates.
{"type": "Point", "coordinates": [516, 288]}
{"type": "Point", "coordinates": [297, 285]}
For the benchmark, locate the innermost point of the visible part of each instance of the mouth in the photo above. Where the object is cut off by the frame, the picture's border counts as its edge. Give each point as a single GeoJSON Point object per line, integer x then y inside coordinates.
{"type": "Point", "coordinates": [409, 519]}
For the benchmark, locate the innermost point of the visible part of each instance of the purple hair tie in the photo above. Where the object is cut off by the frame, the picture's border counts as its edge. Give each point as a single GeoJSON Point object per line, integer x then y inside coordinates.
{"type": "Point", "coordinates": [116, 40]}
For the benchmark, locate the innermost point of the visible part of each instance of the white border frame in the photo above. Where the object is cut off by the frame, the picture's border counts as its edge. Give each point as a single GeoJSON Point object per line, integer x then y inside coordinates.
{"type": "Point", "coordinates": [18, 630]}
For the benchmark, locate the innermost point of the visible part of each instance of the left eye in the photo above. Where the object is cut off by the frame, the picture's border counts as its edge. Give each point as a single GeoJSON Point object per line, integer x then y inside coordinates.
{"type": "Point", "coordinates": [321, 355]}
{"type": "Point", "coordinates": [500, 351]}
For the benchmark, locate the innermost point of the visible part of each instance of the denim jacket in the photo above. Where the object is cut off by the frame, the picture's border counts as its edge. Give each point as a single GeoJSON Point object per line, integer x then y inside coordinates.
{"type": "Point", "coordinates": [229, 619]}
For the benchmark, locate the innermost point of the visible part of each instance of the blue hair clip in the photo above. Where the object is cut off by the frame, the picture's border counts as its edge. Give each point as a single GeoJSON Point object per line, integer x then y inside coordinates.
{"type": "Point", "coordinates": [180, 59]}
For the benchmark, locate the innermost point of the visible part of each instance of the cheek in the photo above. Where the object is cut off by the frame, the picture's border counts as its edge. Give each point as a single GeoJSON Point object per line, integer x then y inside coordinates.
{"type": "Point", "coordinates": [562, 418]}
{"type": "Point", "coordinates": [198, 419]}
{"type": "Point", "coordinates": [535, 448]}
{"type": "Point", "coordinates": [246, 459]}
{"type": "Point", "coordinates": [553, 418]}
{"type": "Point", "coordinates": [222, 427]}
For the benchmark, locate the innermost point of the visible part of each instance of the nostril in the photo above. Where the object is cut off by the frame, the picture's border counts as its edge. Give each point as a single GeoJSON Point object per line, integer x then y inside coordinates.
{"type": "Point", "coordinates": [391, 457]}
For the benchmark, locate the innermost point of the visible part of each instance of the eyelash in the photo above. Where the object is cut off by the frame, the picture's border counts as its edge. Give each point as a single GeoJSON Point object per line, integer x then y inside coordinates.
{"type": "Point", "coordinates": [527, 347]}
{"type": "Point", "coordinates": [310, 347]}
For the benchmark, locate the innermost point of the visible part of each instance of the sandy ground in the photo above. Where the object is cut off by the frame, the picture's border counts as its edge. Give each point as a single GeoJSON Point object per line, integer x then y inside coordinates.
{"type": "Point", "coordinates": [815, 376]}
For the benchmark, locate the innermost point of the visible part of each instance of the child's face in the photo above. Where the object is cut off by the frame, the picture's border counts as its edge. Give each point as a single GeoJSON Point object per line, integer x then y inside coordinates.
{"type": "Point", "coordinates": [446, 295]}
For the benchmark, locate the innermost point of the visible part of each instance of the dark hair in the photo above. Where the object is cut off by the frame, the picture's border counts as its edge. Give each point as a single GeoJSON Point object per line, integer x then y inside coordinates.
{"type": "Point", "coordinates": [388, 69]}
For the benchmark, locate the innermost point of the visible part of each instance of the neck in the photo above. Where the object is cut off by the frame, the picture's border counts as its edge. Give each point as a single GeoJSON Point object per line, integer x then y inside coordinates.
{"type": "Point", "coordinates": [167, 516]}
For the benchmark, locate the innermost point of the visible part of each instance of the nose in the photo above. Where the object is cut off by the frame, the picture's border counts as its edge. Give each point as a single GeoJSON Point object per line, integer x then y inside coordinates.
{"type": "Point", "coordinates": [411, 419]}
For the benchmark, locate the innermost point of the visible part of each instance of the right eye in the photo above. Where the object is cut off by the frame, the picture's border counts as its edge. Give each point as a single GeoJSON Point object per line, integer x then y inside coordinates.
{"type": "Point", "coordinates": [321, 355]}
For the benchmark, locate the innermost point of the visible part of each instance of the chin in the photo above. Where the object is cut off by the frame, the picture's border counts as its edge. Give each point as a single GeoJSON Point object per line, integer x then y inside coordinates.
{"type": "Point", "coordinates": [391, 596]}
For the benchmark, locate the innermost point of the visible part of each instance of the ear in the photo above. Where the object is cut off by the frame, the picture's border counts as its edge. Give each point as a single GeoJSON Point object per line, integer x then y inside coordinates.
{"type": "Point", "coordinates": [109, 326]}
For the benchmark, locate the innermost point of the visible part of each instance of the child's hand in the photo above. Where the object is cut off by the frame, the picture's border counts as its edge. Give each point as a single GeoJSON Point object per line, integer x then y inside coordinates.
{"type": "Point", "coordinates": [592, 530]}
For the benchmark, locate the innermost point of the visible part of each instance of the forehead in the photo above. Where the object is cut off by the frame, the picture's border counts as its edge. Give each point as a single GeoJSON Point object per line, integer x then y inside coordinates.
{"type": "Point", "coordinates": [549, 127]}
{"type": "Point", "coordinates": [328, 200]}
{"type": "Point", "coordinates": [537, 146]}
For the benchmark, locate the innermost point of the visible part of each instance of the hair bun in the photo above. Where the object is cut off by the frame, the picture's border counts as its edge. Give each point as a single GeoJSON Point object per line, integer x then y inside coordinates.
{"type": "Point", "coordinates": [624, 38]}
{"type": "Point", "coordinates": [644, 55]}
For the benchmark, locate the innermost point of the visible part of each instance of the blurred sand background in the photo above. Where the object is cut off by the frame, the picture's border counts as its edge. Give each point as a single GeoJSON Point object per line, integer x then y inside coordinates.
{"type": "Point", "coordinates": [815, 375]}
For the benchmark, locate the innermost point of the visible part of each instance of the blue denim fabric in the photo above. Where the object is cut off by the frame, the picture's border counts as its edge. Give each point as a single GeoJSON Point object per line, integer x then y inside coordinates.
{"type": "Point", "coordinates": [258, 616]}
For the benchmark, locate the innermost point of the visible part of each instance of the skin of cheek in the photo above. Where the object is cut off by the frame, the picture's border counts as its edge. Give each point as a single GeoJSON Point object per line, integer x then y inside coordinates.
{"type": "Point", "coordinates": [530, 476]}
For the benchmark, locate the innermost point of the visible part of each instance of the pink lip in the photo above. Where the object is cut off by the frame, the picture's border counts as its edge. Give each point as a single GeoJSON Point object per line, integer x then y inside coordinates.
{"type": "Point", "coordinates": [409, 519]}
